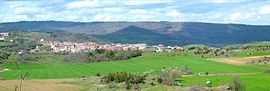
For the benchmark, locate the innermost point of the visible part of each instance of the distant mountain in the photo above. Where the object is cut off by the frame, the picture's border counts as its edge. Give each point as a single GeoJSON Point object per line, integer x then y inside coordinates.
{"type": "Point", "coordinates": [134, 34]}
{"type": "Point", "coordinates": [219, 34]}
{"type": "Point", "coordinates": [164, 32]}
{"type": "Point", "coordinates": [96, 28]}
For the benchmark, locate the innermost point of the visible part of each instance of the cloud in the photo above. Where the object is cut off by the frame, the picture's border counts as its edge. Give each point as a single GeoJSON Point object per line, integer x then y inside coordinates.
{"type": "Point", "coordinates": [174, 13]}
{"type": "Point", "coordinates": [139, 2]}
{"type": "Point", "coordinates": [114, 9]}
{"type": "Point", "coordinates": [138, 11]}
{"type": "Point", "coordinates": [11, 18]}
{"type": "Point", "coordinates": [81, 4]}
{"type": "Point", "coordinates": [28, 10]}
{"type": "Point", "coordinates": [103, 17]}
{"type": "Point", "coordinates": [234, 17]}
{"type": "Point", "coordinates": [218, 11]}
{"type": "Point", "coordinates": [224, 1]}
{"type": "Point", "coordinates": [264, 10]}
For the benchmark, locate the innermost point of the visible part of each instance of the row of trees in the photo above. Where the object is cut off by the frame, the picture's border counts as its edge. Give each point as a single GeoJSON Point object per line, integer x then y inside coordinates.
{"type": "Point", "coordinates": [99, 55]}
{"type": "Point", "coordinates": [208, 51]}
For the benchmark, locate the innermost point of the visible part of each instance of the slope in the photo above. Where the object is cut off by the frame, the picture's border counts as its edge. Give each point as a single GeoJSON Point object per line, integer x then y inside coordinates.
{"type": "Point", "coordinates": [133, 34]}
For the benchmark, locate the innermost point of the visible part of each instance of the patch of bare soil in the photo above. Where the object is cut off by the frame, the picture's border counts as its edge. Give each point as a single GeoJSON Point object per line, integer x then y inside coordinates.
{"type": "Point", "coordinates": [239, 61]}
{"type": "Point", "coordinates": [40, 85]}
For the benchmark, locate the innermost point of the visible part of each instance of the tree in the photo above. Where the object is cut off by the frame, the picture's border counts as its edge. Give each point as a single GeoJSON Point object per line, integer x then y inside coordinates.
{"type": "Point", "coordinates": [110, 55]}
{"type": "Point", "coordinates": [3, 56]}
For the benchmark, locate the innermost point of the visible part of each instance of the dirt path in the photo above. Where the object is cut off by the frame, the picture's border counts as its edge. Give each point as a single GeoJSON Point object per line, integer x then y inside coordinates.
{"type": "Point", "coordinates": [40, 85]}
{"type": "Point", "coordinates": [239, 61]}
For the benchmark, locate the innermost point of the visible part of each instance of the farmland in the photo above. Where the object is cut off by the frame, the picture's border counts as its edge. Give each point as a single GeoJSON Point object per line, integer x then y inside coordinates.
{"type": "Point", "coordinates": [253, 82]}
{"type": "Point", "coordinates": [149, 61]}
{"type": "Point", "coordinates": [140, 64]}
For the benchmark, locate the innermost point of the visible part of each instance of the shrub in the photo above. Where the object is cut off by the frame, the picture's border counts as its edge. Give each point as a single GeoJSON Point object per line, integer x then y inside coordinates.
{"type": "Point", "coordinates": [168, 77]}
{"type": "Point", "coordinates": [236, 84]}
{"type": "Point", "coordinates": [152, 84]}
{"type": "Point", "coordinates": [98, 74]}
{"type": "Point", "coordinates": [28, 57]}
{"type": "Point", "coordinates": [159, 80]}
{"type": "Point", "coordinates": [196, 87]}
{"type": "Point", "coordinates": [267, 71]}
{"type": "Point", "coordinates": [186, 70]}
{"type": "Point", "coordinates": [130, 80]}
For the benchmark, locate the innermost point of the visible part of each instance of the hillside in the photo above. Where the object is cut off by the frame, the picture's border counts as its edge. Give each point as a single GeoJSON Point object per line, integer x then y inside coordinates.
{"type": "Point", "coordinates": [133, 34]}
{"type": "Point", "coordinates": [187, 32]}
{"type": "Point", "coordinates": [218, 34]}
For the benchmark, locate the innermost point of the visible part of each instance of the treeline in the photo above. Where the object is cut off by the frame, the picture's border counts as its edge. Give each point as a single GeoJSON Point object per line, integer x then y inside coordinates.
{"type": "Point", "coordinates": [99, 55]}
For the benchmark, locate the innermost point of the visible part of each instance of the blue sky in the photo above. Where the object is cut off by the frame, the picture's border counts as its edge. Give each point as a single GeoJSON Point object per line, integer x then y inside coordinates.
{"type": "Point", "coordinates": [215, 11]}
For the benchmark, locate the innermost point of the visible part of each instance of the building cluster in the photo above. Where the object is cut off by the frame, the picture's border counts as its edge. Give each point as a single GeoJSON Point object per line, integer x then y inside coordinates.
{"type": "Point", "coordinates": [75, 47]}
{"type": "Point", "coordinates": [2, 36]}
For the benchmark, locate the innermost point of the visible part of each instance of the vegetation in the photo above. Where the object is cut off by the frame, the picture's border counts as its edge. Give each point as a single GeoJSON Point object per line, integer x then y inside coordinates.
{"type": "Point", "coordinates": [99, 55]}
{"type": "Point", "coordinates": [236, 84]}
{"type": "Point", "coordinates": [130, 80]}
{"type": "Point", "coordinates": [135, 34]}
{"type": "Point", "coordinates": [264, 60]}
{"type": "Point", "coordinates": [3, 56]}
{"type": "Point", "coordinates": [257, 82]}
{"type": "Point", "coordinates": [139, 64]}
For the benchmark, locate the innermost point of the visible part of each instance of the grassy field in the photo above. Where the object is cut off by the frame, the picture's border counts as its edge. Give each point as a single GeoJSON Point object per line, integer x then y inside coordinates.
{"type": "Point", "coordinates": [140, 64]}
{"type": "Point", "coordinates": [258, 82]}
{"type": "Point", "coordinates": [244, 53]}
{"type": "Point", "coordinates": [263, 43]}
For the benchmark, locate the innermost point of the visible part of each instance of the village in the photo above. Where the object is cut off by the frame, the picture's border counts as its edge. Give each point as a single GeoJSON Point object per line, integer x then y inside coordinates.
{"type": "Point", "coordinates": [75, 47]}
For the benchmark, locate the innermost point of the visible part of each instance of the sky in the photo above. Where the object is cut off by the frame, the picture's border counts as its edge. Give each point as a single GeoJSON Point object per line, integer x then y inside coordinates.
{"type": "Point", "coordinates": [255, 12]}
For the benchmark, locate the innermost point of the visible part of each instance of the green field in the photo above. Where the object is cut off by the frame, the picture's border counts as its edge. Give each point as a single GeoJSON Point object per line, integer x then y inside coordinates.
{"type": "Point", "coordinates": [140, 64]}
{"type": "Point", "coordinates": [244, 53]}
{"type": "Point", "coordinates": [258, 44]}
{"type": "Point", "coordinates": [259, 82]}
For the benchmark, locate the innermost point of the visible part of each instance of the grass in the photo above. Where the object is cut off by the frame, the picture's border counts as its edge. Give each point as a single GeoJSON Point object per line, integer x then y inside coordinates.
{"type": "Point", "coordinates": [140, 64]}
{"type": "Point", "coordinates": [256, 44]}
{"type": "Point", "coordinates": [258, 82]}
{"type": "Point", "coordinates": [244, 53]}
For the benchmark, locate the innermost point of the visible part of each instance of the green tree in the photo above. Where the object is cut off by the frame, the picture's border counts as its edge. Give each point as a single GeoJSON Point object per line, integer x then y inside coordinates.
{"type": "Point", "coordinates": [3, 56]}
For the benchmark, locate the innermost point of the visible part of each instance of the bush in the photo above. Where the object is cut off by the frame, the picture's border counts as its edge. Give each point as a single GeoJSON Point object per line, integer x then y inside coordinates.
{"type": "Point", "coordinates": [186, 70]}
{"type": "Point", "coordinates": [98, 74]}
{"type": "Point", "coordinates": [152, 84]}
{"type": "Point", "coordinates": [168, 77]}
{"type": "Point", "coordinates": [236, 84]}
{"type": "Point", "coordinates": [130, 80]}
{"type": "Point", "coordinates": [28, 57]}
{"type": "Point", "coordinates": [267, 71]}
{"type": "Point", "coordinates": [3, 56]}
{"type": "Point", "coordinates": [159, 80]}
{"type": "Point", "coordinates": [196, 87]}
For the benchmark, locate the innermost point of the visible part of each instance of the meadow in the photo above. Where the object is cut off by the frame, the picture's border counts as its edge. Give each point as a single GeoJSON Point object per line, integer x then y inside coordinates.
{"type": "Point", "coordinates": [258, 82]}
{"type": "Point", "coordinates": [149, 61]}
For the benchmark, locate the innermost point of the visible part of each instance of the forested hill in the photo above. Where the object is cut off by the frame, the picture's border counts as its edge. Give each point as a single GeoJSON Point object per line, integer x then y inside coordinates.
{"type": "Point", "coordinates": [133, 34]}
{"type": "Point", "coordinates": [165, 32]}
